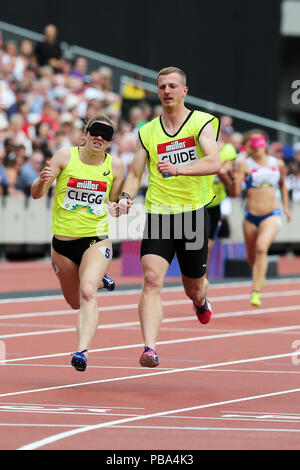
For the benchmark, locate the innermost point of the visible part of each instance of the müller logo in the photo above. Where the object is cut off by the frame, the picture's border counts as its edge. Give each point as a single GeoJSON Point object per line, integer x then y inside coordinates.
{"type": "Point", "coordinates": [175, 146]}
{"type": "Point", "coordinates": [87, 185]}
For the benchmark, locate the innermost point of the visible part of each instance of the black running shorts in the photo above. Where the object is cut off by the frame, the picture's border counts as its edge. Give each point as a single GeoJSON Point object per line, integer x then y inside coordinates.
{"type": "Point", "coordinates": [215, 221]}
{"type": "Point", "coordinates": [184, 234]}
{"type": "Point", "coordinates": [74, 249]}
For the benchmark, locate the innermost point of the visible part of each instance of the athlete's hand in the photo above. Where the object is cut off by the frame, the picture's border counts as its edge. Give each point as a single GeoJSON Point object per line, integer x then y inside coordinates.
{"type": "Point", "coordinates": [167, 167]}
{"type": "Point", "coordinates": [47, 173]}
{"type": "Point", "coordinates": [125, 205]}
{"type": "Point", "coordinates": [113, 209]}
{"type": "Point", "coordinates": [288, 215]}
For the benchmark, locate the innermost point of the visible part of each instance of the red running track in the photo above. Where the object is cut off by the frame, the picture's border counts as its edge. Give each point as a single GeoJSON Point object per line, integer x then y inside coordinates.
{"type": "Point", "coordinates": [231, 384]}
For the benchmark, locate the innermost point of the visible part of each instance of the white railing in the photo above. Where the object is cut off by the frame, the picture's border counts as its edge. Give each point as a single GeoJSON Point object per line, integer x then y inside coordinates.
{"type": "Point", "coordinates": [26, 220]}
{"type": "Point", "coordinates": [280, 127]}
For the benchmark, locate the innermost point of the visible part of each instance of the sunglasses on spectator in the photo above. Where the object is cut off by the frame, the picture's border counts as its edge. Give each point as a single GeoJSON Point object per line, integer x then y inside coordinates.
{"type": "Point", "coordinates": [100, 129]}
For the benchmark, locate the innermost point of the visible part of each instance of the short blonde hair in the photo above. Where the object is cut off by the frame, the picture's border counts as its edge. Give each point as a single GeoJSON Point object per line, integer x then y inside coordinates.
{"type": "Point", "coordinates": [168, 70]}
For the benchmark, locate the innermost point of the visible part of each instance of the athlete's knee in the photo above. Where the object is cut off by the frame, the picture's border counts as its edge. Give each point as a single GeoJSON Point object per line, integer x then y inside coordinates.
{"type": "Point", "coordinates": [88, 290]}
{"type": "Point", "coordinates": [152, 281]}
{"type": "Point", "coordinates": [261, 249]}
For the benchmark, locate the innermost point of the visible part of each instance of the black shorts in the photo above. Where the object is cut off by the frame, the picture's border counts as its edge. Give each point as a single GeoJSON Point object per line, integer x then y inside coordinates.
{"type": "Point", "coordinates": [74, 249]}
{"type": "Point", "coordinates": [215, 221]}
{"type": "Point", "coordinates": [184, 234]}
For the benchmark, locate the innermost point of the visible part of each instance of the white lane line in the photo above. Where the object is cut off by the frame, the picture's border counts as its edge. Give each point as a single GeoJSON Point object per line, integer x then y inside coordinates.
{"type": "Point", "coordinates": [134, 306]}
{"type": "Point", "coordinates": [150, 374]}
{"type": "Point", "coordinates": [168, 428]}
{"type": "Point", "coordinates": [206, 428]}
{"type": "Point", "coordinates": [138, 291]}
{"type": "Point", "coordinates": [172, 341]}
{"type": "Point", "coordinates": [66, 434]}
{"type": "Point", "coordinates": [231, 314]}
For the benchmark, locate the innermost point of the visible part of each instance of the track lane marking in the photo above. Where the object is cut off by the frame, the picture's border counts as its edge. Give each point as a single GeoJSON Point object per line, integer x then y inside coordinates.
{"type": "Point", "coordinates": [178, 288]}
{"type": "Point", "coordinates": [265, 310]}
{"type": "Point", "coordinates": [57, 437]}
{"type": "Point", "coordinates": [150, 374]}
{"type": "Point", "coordinates": [173, 341]}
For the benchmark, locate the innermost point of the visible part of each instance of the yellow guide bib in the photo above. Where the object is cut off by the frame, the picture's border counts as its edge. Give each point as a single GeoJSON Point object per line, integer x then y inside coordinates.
{"type": "Point", "coordinates": [81, 191]}
{"type": "Point", "coordinates": [227, 152]}
{"type": "Point", "coordinates": [175, 194]}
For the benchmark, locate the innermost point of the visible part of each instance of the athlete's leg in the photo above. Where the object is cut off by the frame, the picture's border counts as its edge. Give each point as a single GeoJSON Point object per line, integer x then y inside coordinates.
{"type": "Point", "coordinates": [267, 231]}
{"type": "Point", "coordinates": [150, 307]}
{"type": "Point", "coordinates": [94, 264]}
{"type": "Point", "coordinates": [210, 247]}
{"type": "Point", "coordinates": [68, 276]}
{"type": "Point", "coordinates": [250, 235]}
{"type": "Point", "coordinates": [196, 289]}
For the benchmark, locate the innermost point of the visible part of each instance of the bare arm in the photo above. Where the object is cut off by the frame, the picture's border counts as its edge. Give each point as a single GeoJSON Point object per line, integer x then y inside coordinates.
{"type": "Point", "coordinates": [283, 190]}
{"type": "Point", "coordinates": [49, 173]}
{"type": "Point", "coordinates": [208, 165]}
{"type": "Point", "coordinates": [225, 174]}
{"type": "Point", "coordinates": [132, 182]}
{"type": "Point", "coordinates": [239, 176]}
{"type": "Point", "coordinates": [119, 174]}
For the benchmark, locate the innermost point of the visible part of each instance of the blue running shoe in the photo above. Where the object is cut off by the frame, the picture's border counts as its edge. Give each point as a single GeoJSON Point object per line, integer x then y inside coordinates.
{"type": "Point", "coordinates": [79, 360]}
{"type": "Point", "coordinates": [108, 283]}
{"type": "Point", "coordinates": [149, 358]}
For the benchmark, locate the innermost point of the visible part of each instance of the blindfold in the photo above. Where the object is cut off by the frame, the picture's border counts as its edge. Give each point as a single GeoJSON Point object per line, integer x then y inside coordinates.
{"type": "Point", "coordinates": [100, 129]}
{"type": "Point", "coordinates": [256, 142]}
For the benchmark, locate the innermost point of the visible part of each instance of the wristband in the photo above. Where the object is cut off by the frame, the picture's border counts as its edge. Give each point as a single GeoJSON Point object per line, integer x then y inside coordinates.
{"type": "Point", "coordinates": [176, 171]}
{"type": "Point", "coordinates": [124, 196]}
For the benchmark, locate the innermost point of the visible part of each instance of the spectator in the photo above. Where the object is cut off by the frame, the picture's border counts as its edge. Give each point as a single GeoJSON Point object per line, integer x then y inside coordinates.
{"type": "Point", "coordinates": [29, 172]}
{"type": "Point", "coordinates": [3, 129]}
{"type": "Point", "coordinates": [12, 62]}
{"type": "Point", "coordinates": [50, 115]}
{"type": "Point", "coordinates": [276, 149]}
{"type": "Point", "coordinates": [27, 54]}
{"type": "Point", "coordinates": [17, 123]}
{"type": "Point", "coordinates": [80, 68]}
{"type": "Point", "coordinates": [43, 136]}
{"type": "Point", "coordinates": [9, 150]}
{"type": "Point", "coordinates": [20, 99]}
{"type": "Point", "coordinates": [48, 52]}
{"type": "Point", "coordinates": [13, 169]}
{"type": "Point", "coordinates": [66, 123]}
{"type": "Point", "coordinates": [127, 150]}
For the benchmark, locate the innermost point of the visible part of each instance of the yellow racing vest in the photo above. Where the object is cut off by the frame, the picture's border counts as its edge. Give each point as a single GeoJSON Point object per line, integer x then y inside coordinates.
{"type": "Point", "coordinates": [175, 194]}
{"type": "Point", "coordinates": [227, 152]}
{"type": "Point", "coordinates": [81, 193]}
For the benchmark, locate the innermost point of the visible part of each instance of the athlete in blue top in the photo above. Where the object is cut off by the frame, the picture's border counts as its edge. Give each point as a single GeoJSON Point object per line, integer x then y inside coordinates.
{"type": "Point", "coordinates": [261, 174]}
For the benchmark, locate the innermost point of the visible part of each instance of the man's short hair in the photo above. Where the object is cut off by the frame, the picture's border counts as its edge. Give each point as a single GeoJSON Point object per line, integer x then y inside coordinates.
{"type": "Point", "coordinates": [168, 70]}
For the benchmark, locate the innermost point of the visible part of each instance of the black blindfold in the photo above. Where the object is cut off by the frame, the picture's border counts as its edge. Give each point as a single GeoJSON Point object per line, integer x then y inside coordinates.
{"type": "Point", "coordinates": [100, 129]}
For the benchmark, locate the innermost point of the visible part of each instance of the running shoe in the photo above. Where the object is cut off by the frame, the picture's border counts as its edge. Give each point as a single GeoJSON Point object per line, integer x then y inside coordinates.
{"type": "Point", "coordinates": [204, 313]}
{"type": "Point", "coordinates": [255, 299]}
{"type": "Point", "coordinates": [149, 358]}
{"type": "Point", "coordinates": [79, 360]}
{"type": "Point", "coordinates": [108, 283]}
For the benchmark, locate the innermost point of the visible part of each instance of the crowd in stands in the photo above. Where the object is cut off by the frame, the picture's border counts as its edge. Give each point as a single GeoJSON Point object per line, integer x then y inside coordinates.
{"type": "Point", "coordinates": [45, 100]}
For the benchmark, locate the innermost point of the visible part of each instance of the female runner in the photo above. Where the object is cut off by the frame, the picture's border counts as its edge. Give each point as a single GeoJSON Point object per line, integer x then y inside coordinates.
{"type": "Point", "coordinates": [86, 177]}
{"type": "Point", "coordinates": [262, 175]}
